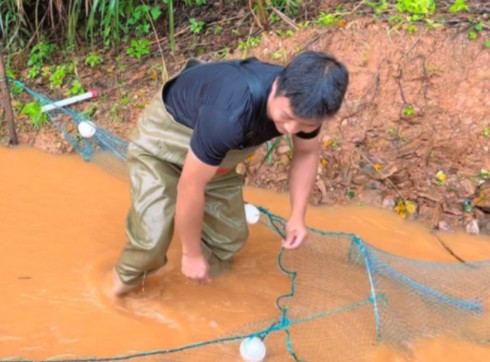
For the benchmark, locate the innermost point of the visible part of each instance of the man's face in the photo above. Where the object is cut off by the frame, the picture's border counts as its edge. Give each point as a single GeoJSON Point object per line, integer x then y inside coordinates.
{"type": "Point", "coordinates": [280, 112]}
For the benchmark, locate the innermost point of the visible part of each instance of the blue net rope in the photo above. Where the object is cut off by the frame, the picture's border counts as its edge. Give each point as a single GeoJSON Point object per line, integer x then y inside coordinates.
{"type": "Point", "coordinates": [86, 147]}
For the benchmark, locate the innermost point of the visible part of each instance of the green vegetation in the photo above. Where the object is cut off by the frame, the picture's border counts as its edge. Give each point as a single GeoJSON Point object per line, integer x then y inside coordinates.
{"type": "Point", "coordinates": [52, 37]}
{"type": "Point", "coordinates": [409, 111]}
{"type": "Point", "coordinates": [71, 23]}
{"type": "Point", "coordinates": [37, 117]}
{"type": "Point", "coordinates": [138, 48]}
{"type": "Point", "coordinates": [197, 26]}
{"type": "Point", "coordinates": [93, 59]}
{"type": "Point", "coordinates": [327, 19]}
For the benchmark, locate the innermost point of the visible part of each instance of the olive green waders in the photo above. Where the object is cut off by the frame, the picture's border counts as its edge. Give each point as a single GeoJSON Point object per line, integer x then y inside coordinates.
{"type": "Point", "coordinates": [156, 155]}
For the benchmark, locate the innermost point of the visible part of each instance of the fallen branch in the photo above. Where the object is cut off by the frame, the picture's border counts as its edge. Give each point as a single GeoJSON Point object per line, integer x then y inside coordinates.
{"type": "Point", "coordinates": [285, 18]}
{"type": "Point", "coordinates": [448, 249]}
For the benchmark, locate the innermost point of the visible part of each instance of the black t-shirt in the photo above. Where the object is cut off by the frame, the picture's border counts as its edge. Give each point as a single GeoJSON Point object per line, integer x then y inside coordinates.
{"type": "Point", "coordinates": [216, 101]}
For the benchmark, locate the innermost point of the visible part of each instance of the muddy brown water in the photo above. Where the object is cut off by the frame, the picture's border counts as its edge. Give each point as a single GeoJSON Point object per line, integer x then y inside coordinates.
{"type": "Point", "coordinates": [62, 227]}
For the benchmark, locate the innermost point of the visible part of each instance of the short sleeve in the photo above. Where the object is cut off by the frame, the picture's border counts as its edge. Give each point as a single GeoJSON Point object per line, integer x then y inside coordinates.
{"type": "Point", "coordinates": [216, 132]}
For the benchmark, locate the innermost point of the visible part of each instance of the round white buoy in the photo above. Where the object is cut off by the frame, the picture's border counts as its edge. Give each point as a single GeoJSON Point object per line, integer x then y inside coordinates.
{"type": "Point", "coordinates": [252, 349]}
{"type": "Point", "coordinates": [86, 129]}
{"type": "Point", "coordinates": [252, 214]}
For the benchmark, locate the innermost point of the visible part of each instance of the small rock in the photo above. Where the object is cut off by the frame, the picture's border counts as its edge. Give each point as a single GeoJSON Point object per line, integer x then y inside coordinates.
{"type": "Point", "coordinates": [400, 176]}
{"type": "Point", "coordinates": [472, 227]}
{"type": "Point", "coordinates": [479, 214]}
{"type": "Point", "coordinates": [484, 225]}
{"type": "Point", "coordinates": [370, 197]}
{"type": "Point", "coordinates": [429, 196]}
{"type": "Point", "coordinates": [468, 187]}
{"type": "Point", "coordinates": [323, 189]}
{"type": "Point", "coordinates": [452, 208]}
{"type": "Point", "coordinates": [360, 179]}
{"type": "Point", "coordinates": [444, 226]}
{"type": "Point", "coordinates": [4, 141]}
{"type": "Point", "coordinates": [388, 203]}
{"type": "Point", "coordinates": [429, 213]}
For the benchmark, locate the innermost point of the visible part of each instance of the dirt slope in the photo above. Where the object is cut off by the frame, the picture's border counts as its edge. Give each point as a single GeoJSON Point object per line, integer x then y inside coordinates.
{"type": "Point", "coordinates": [414, 125]}
{"type": "Point", "coordinates": [411, 136]}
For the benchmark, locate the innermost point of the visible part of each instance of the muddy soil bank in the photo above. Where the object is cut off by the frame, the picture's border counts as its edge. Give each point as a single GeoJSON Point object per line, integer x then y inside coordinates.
{"type": "Point", "coordinates": [412, 135]}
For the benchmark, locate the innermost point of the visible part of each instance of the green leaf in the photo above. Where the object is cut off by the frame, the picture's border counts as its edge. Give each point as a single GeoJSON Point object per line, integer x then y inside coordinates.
{"type": "Point", "coordinates": [155, 12]}
{"type": "Point", "coordinates": [76, 88]}
{"type": "Point", "coordinates": [459, 5]}
{"type": "Point", "coordinates": [409, 110]}
{"type": "Point", "coordinates": [484, 174]}
{"type": "Point", "coordinates": [271, 147]}
{"type": "Point", "coordinates": [33, 110]}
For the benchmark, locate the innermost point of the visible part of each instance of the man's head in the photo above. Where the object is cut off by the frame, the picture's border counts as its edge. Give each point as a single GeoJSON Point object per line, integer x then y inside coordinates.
{"type": "Point", "coordinates": [307, 92]}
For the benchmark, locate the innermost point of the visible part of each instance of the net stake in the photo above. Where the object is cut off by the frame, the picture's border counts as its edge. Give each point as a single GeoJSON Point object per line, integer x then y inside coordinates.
{"type": "Point", "coordinates": [7, 105]}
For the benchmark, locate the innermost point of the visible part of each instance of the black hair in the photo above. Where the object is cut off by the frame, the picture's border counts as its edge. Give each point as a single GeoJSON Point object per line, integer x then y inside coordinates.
{"type": "Point", "coordinates": [315, 84]}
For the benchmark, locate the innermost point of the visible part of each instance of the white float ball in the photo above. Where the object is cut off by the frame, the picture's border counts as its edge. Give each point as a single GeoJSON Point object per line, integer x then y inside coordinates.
{"type": "Point", "coordinates": [252, 214]}
{"type": "Point", "coordinates": [252, 349]}
{"type": "Point", "coordinates": [86, 129]}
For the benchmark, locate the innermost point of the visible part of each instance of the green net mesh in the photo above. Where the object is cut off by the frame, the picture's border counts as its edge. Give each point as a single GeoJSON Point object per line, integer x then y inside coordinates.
{"type": "Point", "coordinates": [346, 297]}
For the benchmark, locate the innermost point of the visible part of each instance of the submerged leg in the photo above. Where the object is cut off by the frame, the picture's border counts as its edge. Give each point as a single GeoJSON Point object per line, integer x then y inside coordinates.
{"type": "Point", "coordinates": [225, 230]}
{"type": "Point", "coordinates": [150, 222]}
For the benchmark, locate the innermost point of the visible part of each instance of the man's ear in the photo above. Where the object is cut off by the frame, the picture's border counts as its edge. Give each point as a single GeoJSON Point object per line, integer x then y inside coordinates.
{"type": "Point", "coordinates": [273, 92]}
{"type": "Point", "coordinates": [274, 88]}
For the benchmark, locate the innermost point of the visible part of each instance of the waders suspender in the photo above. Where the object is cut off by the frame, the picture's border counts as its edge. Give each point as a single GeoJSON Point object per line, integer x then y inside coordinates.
{"type": "Point", "coordinates": [253, 82]}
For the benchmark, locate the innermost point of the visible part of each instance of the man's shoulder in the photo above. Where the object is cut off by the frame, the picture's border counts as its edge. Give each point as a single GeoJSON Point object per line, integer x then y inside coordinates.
{"type": "Point", "coordinates": [233, 64]}
{"type": "Point", "coordinates": [260, 65]}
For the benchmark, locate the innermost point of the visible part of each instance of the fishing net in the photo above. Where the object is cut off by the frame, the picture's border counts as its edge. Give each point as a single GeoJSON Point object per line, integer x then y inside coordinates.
{"type": "Point", "coordinates": [346, 292]}
{"type": "Point", "coordinates": [346, 297]}
{"type": "Point", "coordinates": [102, 148]}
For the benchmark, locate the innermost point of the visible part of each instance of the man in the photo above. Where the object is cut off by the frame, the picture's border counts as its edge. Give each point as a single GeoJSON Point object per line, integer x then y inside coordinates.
{"type": "Point", "coordinates": [183, 153]}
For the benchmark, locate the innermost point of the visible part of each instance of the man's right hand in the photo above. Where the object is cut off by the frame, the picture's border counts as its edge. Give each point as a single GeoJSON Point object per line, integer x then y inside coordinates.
{"type": "Point", "coordinates": [196, 268]}
{"type": "Point", "coordinates": [189, 215]}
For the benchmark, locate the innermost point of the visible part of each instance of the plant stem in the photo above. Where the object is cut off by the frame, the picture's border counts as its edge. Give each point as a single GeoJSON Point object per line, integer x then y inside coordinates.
{"type": "Point", "coordinates": [171, 29]}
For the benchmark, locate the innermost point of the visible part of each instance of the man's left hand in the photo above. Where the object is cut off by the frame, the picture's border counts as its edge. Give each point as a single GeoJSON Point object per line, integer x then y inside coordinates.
{"type": "Point", "coordinates": [296, 233]}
